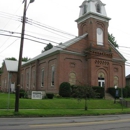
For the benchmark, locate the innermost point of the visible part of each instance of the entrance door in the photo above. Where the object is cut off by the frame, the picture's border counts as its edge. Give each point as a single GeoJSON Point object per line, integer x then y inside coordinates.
{"type": "Point", "coordinates": [101, 82]}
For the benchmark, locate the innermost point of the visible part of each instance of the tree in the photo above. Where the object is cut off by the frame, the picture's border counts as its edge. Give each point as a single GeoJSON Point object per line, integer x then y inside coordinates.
{"type": "Point", "coordinates": [11, 58]}
{"type": "Point", "coordinates": [65, 89]}
{"type": "Point", "coordinates": [111, 38]}
{"type": "Point", "coordinates": [48, 47]}
{"type": "Point", "coordinates": [0, 70]}
{"type": "Point", "coordinates": [25, 59]}
{"type": "Point", "coordinates": [84, 92]}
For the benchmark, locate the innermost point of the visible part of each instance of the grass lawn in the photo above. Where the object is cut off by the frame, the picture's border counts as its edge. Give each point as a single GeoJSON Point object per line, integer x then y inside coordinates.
{"type": "Point", "coordinates": [58, 107]}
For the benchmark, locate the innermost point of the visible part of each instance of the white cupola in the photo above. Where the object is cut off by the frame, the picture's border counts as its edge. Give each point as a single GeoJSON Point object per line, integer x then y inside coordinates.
{"type": "Point", "coordinates": [92, 8]}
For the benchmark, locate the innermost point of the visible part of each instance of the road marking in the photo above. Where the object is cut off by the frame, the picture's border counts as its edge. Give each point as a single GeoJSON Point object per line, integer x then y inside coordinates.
{"type": "Point", "coordinates": [79, 123]}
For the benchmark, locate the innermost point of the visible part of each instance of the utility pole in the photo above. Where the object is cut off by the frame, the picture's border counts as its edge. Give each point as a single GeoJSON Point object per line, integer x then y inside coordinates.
{"type": "Point", "coordinates": [20, 58]}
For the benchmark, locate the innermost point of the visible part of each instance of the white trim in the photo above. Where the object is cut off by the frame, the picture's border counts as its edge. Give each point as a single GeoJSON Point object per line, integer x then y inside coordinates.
{"type": "Point", "coordinates": [42, 77]}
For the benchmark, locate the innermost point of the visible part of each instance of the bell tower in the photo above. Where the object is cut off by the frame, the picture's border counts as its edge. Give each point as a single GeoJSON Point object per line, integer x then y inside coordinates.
{"type": "Point", "coordinates": [94, 21]}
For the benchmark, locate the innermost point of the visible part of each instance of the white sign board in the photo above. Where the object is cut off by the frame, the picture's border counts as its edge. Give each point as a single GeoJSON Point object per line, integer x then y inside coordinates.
{"type": "Point", "coordinates": [36, 95]}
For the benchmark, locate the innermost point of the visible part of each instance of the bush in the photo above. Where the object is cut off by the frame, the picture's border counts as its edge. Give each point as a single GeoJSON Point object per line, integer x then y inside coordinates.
{"type": "Point", "coordinates": [112, 91]}
{"type": "Point", "coordinates": [128, 91]}
{"type": "Point", "coordinates": [65, 89]}
{"type": "Point", "coordinates": [21, 93]}
{"type": "Point", "coordinates": [81, 92]}
{"type": "Point", "coordinates": [50, 95]}
{"type": "Point", "coordinates": [73, 89]}
{"type": "Point", "coordinates": [99, 91]}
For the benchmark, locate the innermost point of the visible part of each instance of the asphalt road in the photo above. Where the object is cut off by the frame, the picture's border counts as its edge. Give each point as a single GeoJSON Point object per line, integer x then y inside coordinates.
{"type": "Point", "coordinates": [111, 122]}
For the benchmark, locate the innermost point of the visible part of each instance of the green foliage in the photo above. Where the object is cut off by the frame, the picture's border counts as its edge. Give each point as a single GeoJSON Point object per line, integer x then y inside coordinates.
{"type": "Point", "coordinates": [83, 92]}
{"type": "Point", "coordinates": [11, 58]}
{"type": "Point", "coordinates": [50, 95]}
{"type": "Point", "coordinates": [112, 91]}
{"type": "Point", "coordinates": [22, 93]}
{"type": "Point", "coordinates": [125, 91]}
{"type": "Point", "coordinates": [128, 91]}
{"type": "Point", "coordinates": [56, 103]}
{"type": "Point", "coordinates": [65, 89]}
{"type": "Point", "coordinates": [99, 91]}
{"type": "Point", "coordinates": [111, 38]}
{"type": "Point", "coordinates": [25, 59]}
{"type": "Point", "coordinates": [48, 47]}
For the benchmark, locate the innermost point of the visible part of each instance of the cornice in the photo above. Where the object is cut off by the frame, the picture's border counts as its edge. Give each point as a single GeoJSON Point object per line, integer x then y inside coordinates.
{"type": "Point", "coordinates": [92, 15]}
{"type": "Point", "coordinates": [96, 52]}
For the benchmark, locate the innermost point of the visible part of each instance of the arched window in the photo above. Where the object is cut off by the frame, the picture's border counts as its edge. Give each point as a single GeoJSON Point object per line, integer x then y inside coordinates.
{"type": "Point", "coordinates": [99, 36]}
{"type": "Point", "coordinates": [84, 9]}
{"type": "Point", "coordinates": [52, 76]}
{"type": "Point", "coordinates": [98, 8]}
{"type": "Point", "coordinates": [72, 78]}
{"type": "Point", "coordinates": [116, 81]}
{"type": "Point", "coordinates": [101, 79]}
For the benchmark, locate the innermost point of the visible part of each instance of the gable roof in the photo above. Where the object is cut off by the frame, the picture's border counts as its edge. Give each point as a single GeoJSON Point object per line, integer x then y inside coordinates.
{"type": "Point", "coordinates": [11, 65]}
{"type": "Point", "coordinates": [123, 58]}
{"type": "Point", "coordinates": [60, 47]}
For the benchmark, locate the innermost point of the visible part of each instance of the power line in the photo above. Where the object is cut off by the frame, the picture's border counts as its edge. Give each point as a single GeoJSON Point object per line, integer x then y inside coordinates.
{"type": "Point", "coordinates": [11, 17]}
{"type": "Point", "coordinates": [49, 31]}
{"type": "Point", "coordinates": [35, 23]}
{"type": "Point", "coordinates": [8, 37]}
{"type": "Point", "coordinates": [25, 35]}
{"type": "Point", "coordinates": [48, 27]}
{"type": "Point", "coordinates": [9, 46]}
{"type": "Point", "coordinates": [124, 46]}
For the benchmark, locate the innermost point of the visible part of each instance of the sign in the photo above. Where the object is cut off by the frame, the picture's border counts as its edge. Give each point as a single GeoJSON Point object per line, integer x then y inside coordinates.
{"type": "Point", "coordinates": [36, 95]}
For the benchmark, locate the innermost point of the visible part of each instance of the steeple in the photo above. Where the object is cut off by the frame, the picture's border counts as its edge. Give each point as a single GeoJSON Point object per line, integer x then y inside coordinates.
{"type": "Point", "coordinates": [94, 21]}
{"type": "Point", "coordinates": [92, 8]}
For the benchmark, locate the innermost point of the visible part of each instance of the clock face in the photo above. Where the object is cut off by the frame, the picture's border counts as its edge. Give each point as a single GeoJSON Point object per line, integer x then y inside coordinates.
{"type": "Point", "coordinates": [99, 31]}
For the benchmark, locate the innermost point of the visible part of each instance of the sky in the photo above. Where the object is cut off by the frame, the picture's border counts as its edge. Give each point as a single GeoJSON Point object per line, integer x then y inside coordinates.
{"type": "Point", "coordinates": [57, 15]}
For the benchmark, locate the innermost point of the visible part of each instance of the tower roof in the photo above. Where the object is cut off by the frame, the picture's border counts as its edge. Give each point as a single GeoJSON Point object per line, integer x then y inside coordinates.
{"type": "Point", "coordinates": [95, 8]}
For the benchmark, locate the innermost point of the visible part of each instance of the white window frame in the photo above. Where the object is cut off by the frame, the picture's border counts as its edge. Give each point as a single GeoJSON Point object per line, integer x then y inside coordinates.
{"type": "Point", "coordinates": [99, 36]}
{"type": "Point", "coordinates": [27, 79]}
{"type": "Point", "coordinates": [34, 78]}
{"type": "Point", "coordinates": [102, 82]}
{"type": "Point", "coordinates": [98, 8]}
{"type": "Point", "coordinates": [42, 77]}
{"type": "Point", "coordinates": [52, 75]}
{"type": "Point", "coordinates": [84, 9]}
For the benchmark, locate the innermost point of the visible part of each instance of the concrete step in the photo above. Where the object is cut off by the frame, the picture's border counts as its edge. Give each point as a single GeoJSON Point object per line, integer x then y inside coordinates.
{"type": "Point", "coordinates": [108, 96]}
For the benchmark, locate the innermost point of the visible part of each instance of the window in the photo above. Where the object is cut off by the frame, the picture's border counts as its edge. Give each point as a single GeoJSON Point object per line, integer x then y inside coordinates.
{"type": "Point", "coordinates": [99, 36]}
{"type": "Point", "coordinates": [98, 8]}
{"type": "Point", "coordinates": [116, 81]}
{"type": "Point", "coordinates": [5, 83]}
{"type": "Point", "coordinates": [72, 78]}
{"type": "Point", "coordinates": [101, 79]}
{"type": "Point", "coordinates": [42, 78]}
{"type": "Point", "coordinates": [84, 9]}
{"type": "Point", "coordinates": [34, 75]}
{"type": "Point", "coordinates": [52, 75]}
{"type": "Point", "coordinates": [21, 80]}
{"type": "Point", "coordinates": [27, 79]}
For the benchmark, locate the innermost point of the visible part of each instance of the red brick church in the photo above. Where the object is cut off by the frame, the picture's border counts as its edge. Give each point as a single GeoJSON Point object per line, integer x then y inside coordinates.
{"type": "Point", "coordinates": [87, 59]}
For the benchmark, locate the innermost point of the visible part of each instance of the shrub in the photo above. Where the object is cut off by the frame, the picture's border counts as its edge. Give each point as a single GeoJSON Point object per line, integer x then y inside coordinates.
{"type": "Point", "coordinates": [73, 89]}
{"type": "Point", "coordinates": [50, 95]}
{"type": "Point", "coordinates": [21, 93]}
{"type": "Point", "coordinates": [112, 91]}
{"type": "Point", "coordinates": [128, 91]}
{"type": "Point", "coordinates": [99, 91]}
{"type": "Point", "coordinates": [65, 89]}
